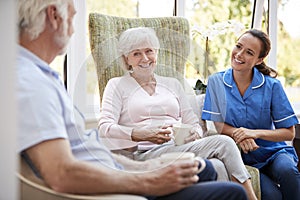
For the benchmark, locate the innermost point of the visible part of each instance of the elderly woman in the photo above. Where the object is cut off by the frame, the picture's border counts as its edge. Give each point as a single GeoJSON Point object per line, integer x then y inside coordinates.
{"type": "Point", "coordinates": [140, 106]}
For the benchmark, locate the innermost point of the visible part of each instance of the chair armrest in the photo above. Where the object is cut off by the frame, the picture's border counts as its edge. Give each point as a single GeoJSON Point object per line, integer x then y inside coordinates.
{"type": "Point", "coordinates": [196, 102]}
{"type": "Point", "coordinates": [31, 187]}
{"type": "Point", "coordinates": [255, 180]}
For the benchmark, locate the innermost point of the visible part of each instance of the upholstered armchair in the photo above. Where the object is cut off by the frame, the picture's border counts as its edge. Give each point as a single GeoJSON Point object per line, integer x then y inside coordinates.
{"type": "Point", "coordinates": [173, 33]}
{"type": "Point", "coordinates": [174, 36]}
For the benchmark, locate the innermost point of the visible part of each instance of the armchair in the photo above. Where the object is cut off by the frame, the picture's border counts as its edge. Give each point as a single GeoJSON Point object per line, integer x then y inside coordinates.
{"type": "Point", "coordinates": [173, 33]}
{"type": "Point", "coordinates": [31, 187]}
{"type": "Point", "coordinates": [174, 36]}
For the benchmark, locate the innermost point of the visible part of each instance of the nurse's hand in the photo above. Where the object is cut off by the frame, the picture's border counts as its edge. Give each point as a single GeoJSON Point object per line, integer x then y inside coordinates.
{"type": "Point", "coordinates": [242, 133]}
{"type": "Point", "coordinates": [248, 145]}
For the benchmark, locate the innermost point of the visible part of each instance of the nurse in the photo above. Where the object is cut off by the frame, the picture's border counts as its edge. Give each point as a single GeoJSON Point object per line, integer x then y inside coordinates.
{"type": "Point", "coordinates": [248, 103]}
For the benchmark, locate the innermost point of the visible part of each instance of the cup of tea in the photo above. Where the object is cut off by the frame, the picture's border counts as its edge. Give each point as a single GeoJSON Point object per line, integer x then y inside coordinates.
{"type": "Point", "coordinates": [171, 157]}
{"type": "Point", "coordinates": [181, 132]}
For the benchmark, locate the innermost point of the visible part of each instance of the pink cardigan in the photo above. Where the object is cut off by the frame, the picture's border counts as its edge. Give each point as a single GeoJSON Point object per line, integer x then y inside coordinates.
{"type": "Point", "coordinates": [126, 105]}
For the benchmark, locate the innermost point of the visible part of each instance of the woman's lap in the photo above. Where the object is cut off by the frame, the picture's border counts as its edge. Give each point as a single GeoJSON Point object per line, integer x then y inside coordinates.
{"type": "Point", "coordinates": [218, 147]}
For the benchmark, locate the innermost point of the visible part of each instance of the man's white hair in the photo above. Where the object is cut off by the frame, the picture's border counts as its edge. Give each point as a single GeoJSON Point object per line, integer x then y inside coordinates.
{"type": "Point", "coordinates": [32, 15]}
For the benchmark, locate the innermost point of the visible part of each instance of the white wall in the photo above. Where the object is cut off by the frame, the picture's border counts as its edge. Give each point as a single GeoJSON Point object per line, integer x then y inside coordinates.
{"type": "Point", "coordinates": [8, 188]}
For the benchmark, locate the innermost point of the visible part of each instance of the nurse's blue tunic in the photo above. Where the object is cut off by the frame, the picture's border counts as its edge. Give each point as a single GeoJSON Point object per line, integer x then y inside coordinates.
{"type": "Point", "coordinates": [263, 106]}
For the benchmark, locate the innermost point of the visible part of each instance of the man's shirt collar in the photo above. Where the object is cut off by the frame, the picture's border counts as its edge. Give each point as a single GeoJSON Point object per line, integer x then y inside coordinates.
{"type": "Point", "coordinates": [37, 61]}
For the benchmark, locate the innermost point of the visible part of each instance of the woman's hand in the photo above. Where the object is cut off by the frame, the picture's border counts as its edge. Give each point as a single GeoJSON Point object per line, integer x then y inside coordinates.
{"type": "Point", "coordinates": [195, 134]}
{"type": "Point", "coordinates": [242, 133]}
{"type": "Point", "coordinates": [155, 135]}
{"type": "Point", "coordinates": [248, 145]}
{"type": "Point", "coordinates": [245, 139]}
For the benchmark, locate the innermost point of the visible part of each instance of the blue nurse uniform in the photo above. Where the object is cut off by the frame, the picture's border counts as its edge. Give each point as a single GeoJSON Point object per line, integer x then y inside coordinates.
{"type": "Point", "coordinates": [263, 106]}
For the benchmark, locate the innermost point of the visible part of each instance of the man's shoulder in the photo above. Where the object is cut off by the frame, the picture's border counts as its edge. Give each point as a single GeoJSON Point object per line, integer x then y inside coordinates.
{"type": "Point", "coordinates": [31, 79]}
{"type": "Point", "coordinates": [34, 85]}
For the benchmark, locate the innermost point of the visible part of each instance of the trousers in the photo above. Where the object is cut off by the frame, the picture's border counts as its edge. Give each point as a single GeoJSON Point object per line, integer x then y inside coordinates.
{"type": "Point", "coordinates": [207, 189]}
{"type": "Point", "coordinates": [280, 179]}
{"type": "Point", "coordinates": [220, 147]}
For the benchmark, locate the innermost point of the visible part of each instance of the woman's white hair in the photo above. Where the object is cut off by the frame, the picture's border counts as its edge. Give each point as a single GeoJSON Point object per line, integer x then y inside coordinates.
{"type": "Point", "coordinates": [136, 38]}
{"type": "Point", "coordinates": [32, 15]}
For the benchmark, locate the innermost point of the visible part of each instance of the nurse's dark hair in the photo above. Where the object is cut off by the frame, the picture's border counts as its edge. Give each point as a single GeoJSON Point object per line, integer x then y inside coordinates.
{"type": "Point", "coordinates": [265, 49]}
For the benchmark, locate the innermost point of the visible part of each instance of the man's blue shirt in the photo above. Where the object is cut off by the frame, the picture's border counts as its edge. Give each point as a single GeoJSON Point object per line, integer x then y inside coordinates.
{"type": "Point", "coordinates": [46, 112]}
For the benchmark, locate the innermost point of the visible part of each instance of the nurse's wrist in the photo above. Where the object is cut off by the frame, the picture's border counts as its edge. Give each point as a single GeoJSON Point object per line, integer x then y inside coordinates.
{"type": "Point", "coordinates": [232, 132]}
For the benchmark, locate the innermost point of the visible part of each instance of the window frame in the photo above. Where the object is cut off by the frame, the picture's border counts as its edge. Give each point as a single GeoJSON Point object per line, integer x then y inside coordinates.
{"type": "Point", "coordinates": [76, 71]}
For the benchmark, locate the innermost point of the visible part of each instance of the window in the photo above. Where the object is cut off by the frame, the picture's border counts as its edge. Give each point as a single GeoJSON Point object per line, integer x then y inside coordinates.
{"type": "Point", "coordinates": [288, 50]}
{"type": "Point", "coordinates": [215, 26]}
{"type": "Point", "coordinates": [87, 98]}
{"type": "Point", "coordinates": [57, 65]}
{"type": "Point", "coordinates": [124, 8]}
{"type": "Point", "coordinates": [280, 16]}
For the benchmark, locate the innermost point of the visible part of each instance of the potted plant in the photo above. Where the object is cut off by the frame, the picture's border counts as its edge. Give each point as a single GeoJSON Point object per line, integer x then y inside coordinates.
{"type": "Point", "coordinates": [200, 87]}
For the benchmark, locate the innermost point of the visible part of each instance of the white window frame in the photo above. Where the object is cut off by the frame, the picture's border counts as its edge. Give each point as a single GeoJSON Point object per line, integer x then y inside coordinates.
{"type": "Point", "coordinates": [273, 30]}
{"type": "Point", "coordinates": [180, 8]}
{"type": "Point", "coordinates": [273, 26]}
{"type": "Point", "coordinates": [76, 55]}
{"type": "Point", "coordinates": [76, 70]}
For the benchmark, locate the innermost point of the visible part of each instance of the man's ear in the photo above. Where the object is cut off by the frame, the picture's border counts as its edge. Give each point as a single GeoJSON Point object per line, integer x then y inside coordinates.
{"type": "Point", "coordinates": [52, 16]}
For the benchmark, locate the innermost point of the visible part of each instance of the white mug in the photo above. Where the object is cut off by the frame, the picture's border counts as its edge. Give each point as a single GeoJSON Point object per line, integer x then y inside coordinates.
{"type": "Point", "coordinates": [181, 132]}
{"type": "Point", "coordinates": [168, 158]}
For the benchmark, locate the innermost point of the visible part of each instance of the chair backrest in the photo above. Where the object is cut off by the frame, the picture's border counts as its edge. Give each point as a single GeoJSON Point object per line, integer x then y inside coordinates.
{"type": "Point", "coordinates": [173, 34]}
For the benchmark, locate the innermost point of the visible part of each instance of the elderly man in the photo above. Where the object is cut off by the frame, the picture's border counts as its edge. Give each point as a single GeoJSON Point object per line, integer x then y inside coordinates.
{"type": "Point", "coordinates": [51, 140]}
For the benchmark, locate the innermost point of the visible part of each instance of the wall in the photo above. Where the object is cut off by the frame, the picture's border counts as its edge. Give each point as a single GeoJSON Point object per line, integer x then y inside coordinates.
{"type": "Point", "coordinates": [7, 101]}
